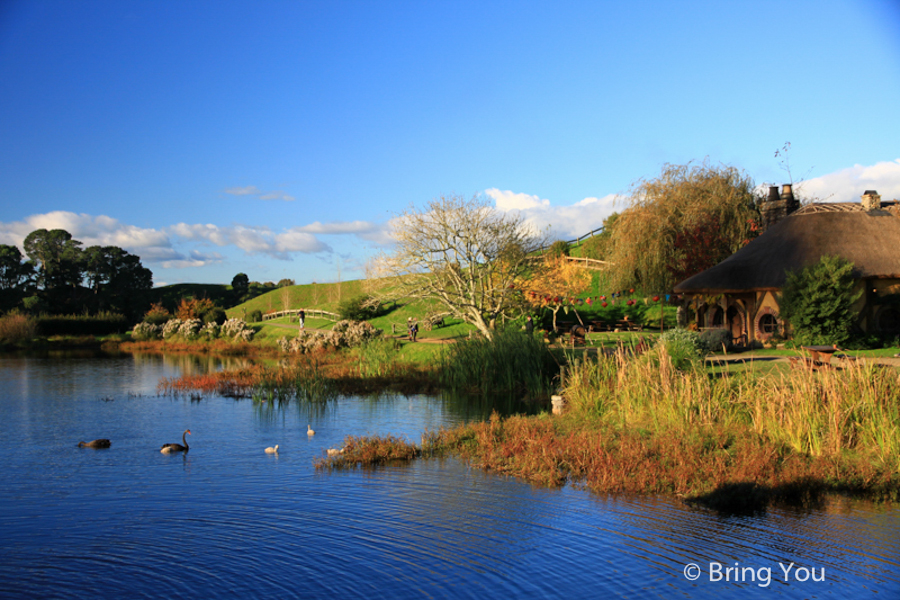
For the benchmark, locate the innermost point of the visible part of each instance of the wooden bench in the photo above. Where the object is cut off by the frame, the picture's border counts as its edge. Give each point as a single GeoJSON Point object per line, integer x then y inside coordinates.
{"type": "Point", "coordinates": [626, 325]}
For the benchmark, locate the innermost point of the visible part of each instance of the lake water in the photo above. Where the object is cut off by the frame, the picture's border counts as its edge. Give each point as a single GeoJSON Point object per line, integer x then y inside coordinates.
{"type": "Point", "coordinates": [227, 520]}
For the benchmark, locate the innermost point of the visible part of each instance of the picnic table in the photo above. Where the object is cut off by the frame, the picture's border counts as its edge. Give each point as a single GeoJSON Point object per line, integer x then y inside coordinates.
{"type": "Point", "coordinates": [820, 354]}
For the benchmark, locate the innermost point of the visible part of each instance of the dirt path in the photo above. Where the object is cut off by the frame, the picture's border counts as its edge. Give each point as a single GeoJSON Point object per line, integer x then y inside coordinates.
{"type": "Point", "coordinates": [750, 357]}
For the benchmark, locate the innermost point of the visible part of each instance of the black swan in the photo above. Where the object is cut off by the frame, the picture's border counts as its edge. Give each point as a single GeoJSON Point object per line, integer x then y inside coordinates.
{"type": "Point", "coordinates": [101, 443]}
{"type": "Point", "coordinates": [167, 448]}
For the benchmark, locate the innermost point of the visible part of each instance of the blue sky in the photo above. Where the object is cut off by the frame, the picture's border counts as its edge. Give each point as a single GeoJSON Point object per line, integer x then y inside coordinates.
{"type": "Point", "coordinates": [279, 138]}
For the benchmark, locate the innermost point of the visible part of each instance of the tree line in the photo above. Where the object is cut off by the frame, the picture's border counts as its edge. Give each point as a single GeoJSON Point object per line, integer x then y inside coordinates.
{"type": "Point", "coordinates": [57, 275]}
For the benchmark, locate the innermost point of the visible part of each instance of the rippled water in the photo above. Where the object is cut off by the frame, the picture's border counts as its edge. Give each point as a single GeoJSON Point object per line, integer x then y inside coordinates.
{"type": "Point", "coordinates": [229, 521]}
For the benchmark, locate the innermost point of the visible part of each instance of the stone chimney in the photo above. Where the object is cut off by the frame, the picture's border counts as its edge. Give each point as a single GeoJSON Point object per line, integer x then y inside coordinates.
{"type": "Point", "coordinates": [777, 206]}
{"type": "Point", "coordinates": [871, 200]}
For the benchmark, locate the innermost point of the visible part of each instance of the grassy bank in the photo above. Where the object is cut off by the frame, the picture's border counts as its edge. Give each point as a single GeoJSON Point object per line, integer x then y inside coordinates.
{"type": "Point", "coordinates": [732, 442]}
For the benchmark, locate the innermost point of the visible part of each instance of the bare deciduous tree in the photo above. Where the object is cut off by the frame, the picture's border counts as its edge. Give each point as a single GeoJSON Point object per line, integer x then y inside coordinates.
{"type": "Point", "coordinates": [466, 255]}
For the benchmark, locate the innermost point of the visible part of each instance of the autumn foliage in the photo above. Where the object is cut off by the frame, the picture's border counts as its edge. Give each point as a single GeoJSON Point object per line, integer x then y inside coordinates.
{"type": "Point", "coordinates": [687, 220]}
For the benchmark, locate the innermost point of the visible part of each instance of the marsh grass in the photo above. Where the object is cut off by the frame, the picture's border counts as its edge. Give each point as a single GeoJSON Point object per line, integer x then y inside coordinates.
{"type": "Point", "coordinates": [17, 328]}
{"type": "Point", "coordinates": [513, 362]}
{"type": "Point", "coordinates": [305, 382]}
{"type": "Point", "coordinates": [735, 444]}
{"type": "Point", "coordinates": [377, 357]}
{"type": "Point", "coordinates": [370, 451]}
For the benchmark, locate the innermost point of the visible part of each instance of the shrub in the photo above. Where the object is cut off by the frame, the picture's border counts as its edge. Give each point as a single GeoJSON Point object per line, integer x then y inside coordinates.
{"type": "Point", "coordinates": [344, 334]}
{"type": "Point", "coordinates": [170, 329]}
{"type": "Point", "coordinates": [255, 316]}
{"type": "Point", "coordinates": [236, 329]}
{"type": "Point", "coordinates": [716, 340]}
{"type": "Point", "coordinates": [157, 315]}
{"type": "Point", "coordinates": [145, 331]}
{"type": "Point", "coordinates": [214, 315]}
{"type": "Point", "coordinates": [16, 327]}
{"type": "Point", "coordinates": [559, 248]}
{"type": "Point", "coordinates": [358, 308]}
{"type": "Point", "coordinates": [193, 308]}
{"type": "Point", "coordinates": [683, 347]}
{"type": "Point", "coordinates": [209, 331]}
{"type": "Point", "coordinates": [818, 301]}
{"type": "Point", "coordinates": [350, 334]}
{"type": "Point", "coordinates": [190, 329]}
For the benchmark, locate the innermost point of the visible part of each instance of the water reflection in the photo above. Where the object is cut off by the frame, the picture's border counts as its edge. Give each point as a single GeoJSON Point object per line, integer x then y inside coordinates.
{"type": "Point", "coordinates": [228, 520]}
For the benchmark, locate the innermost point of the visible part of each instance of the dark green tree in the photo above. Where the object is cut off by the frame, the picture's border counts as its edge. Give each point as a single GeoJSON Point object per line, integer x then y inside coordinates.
{"type": "Point", "coordinates": [15, 277]}
{"type": "Point", "coordinates": [240, 285]}
{"type": "Point", "coordinates": [58, 258]}
{"type": "Point", "coordinates": [818, 301]}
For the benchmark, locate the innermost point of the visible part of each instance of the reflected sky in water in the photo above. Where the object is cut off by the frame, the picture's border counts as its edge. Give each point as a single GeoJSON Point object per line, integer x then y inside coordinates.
{"type": "Point", "coordinates": [229, 521]}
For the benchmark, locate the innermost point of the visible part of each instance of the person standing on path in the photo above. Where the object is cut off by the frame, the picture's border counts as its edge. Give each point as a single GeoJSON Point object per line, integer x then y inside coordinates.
{"type": "Point", "coordinates": [301, 316]}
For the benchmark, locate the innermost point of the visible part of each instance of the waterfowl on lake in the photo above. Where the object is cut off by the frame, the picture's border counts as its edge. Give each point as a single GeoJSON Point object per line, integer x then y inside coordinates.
{"type": "Point", "coordinates": [272, 450]}
{"type": "Point", "coordinates": [101, 443]}
{"type": "Point", "coordinates": [309, 430]}
{"type": "Point", "coordinates": [335, 451]}
{"type": "Point", "coordinates": [169, 448]}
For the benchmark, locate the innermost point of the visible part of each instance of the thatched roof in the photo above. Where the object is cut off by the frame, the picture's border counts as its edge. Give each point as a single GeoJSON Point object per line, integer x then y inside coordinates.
{"type": "Point", "coordinates": [869, 239]}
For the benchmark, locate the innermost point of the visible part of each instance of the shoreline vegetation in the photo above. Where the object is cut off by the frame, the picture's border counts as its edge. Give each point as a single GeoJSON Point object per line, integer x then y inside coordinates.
{"type": "Point", "coordinates": [732, 441]}
{"type": "Point", "coordinates": [641, 417]}
{"type": "Point", "coordinates": [734, 444]}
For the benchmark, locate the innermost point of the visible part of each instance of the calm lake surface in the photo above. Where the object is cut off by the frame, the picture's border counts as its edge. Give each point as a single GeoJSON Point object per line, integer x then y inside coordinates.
{"type": "Point", "coordinates": [227, 520]}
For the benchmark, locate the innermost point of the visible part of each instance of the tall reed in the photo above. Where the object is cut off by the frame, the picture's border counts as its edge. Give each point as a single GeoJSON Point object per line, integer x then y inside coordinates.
{"type": "Point", "coordinates": [16, 328]}
{"type": "Point", "coordinates": [513, 362]}
{"type": "Point", "coordinates": [819, 413]}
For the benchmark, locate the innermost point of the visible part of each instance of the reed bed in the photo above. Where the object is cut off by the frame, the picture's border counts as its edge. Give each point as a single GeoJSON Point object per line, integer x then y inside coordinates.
{"type": "Point", "coordinates": [370, 451]}
{"type": "Point", "coordinates": [513, 362]}
{"type": "Point", "coordinates": [734, 443]}
{"type": "Point", "coordinates": [17, 328]}
{"type": "Point", "coordinates": [304, 382]}
{"type": "Point", "coordinates": [818, 412]}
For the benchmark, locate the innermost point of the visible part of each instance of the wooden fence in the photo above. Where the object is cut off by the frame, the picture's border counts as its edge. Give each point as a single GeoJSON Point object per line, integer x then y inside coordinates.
{"type": "Point", "coordinates": [310, 312]}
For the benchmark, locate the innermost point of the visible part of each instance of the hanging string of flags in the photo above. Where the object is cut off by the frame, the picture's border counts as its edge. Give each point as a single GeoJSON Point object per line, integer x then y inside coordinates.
{"type": "Point", "coordinates": [603, 300]}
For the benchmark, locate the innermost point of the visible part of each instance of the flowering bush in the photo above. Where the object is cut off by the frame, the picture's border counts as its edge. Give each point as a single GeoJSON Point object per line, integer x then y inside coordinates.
{"type": "Point", "coordinates": [210, 331]}
{"type": "Point", "coordinates": [236, 329]}
{"type": "Point", "coordinates": [146, 331]}
{"type": "Point", "coordinates": [190, 329]}
{"type": "Point", "coordinates": [350, 334]}
{"type": "Point", "coordinates": [170, 329]}
{"type": "Point", "coordinates": [344, 334]}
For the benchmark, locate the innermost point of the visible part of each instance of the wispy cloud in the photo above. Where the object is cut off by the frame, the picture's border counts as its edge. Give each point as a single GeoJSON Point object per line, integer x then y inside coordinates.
{"type": "Point", "coordinates": [252, 190]}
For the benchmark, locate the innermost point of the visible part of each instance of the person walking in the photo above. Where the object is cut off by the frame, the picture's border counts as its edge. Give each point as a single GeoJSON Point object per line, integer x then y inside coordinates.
{"type": "Point", "coordinates": [415, 330]}
{"type": "Point", "coordinates": [301, 316]}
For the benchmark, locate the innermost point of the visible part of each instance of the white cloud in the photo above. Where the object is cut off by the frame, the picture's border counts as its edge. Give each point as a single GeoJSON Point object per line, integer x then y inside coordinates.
{"type": "Point", "coordinates": [277, 195]}
{"type": "Point", "coordinates": [564, 222]}
{"type": "Point", "coordinates": [194, 260]}
{"type": "Point", "coordinates": [295, 240]}
{"type": "Point", "coordinates": [250, 190]}
{"type": "Point", "coordinates": [847, 185]}
{"type": "Point", "coordinates": [508, 200]}
{"type": "Point", "coordinates": [89, 230]}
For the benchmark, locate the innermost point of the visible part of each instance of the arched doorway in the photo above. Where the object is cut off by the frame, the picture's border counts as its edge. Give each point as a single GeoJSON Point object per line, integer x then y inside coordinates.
{"type": "Point", "coordinates": [735, 324]}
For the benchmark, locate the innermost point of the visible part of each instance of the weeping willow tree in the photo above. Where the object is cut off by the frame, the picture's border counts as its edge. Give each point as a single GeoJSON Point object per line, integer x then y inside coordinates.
{"type": "Point", "coordinates": [686, 220]}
